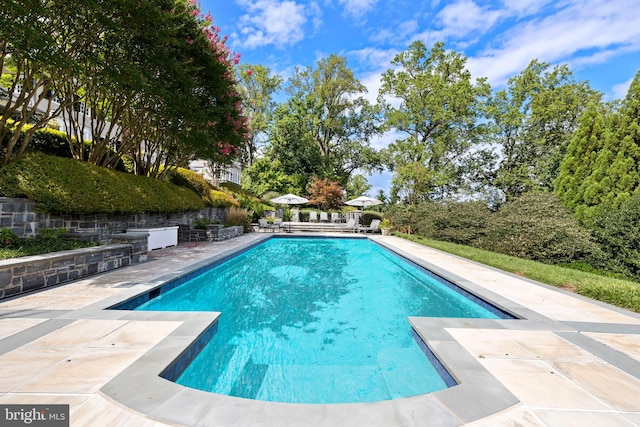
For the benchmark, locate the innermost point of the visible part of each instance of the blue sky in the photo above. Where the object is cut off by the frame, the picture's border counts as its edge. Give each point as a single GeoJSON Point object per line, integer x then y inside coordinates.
{"type": "Point", "coordinates": [598, 39]}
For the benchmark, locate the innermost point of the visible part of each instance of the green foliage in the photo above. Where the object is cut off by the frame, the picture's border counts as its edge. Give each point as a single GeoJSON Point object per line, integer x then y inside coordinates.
{"type": "Point", "coordinates": [438, 110]}
{"type": "Point", "coordinates": [201, 223]}
{"type": "Point", "coordinates": [458, 222]}
{"type": "Point", "coordinates": [267, 174]}
{"type": "Point", "coordinates": [532, 122]}
{"type": "Point", "coordinates": [357, 186]}
{"type": "Point", "coordinates": [49, 240]}
{"type": "Point", "coordinates": [8, 238]}
{"type": "Point", "coordinates": [579, 163]}
{"type": "Point", "coordinates": [534, 226]}
{"type": "Point", "coordinates": [615, 176]}
{"type": "Point", "coordinates": [257, 87]}
{"type": "Point", "coordinates": [192, 180]}
{"type": "Point", "coordinates": [50, 141]}
{"type": "Point", "coordinates": [617, 230]}
{"type": "Point", "coordinates": [325, 127]}
{"type": "Point", "coordinates": [537, 226]}
{"type": "Point", "coordinates": [368, 216]}
{"type": "Point", "coordinates": [68, 186]}
{"type": "Point", "coordinates": [220, 199]}
{"type": "Point", "coordinates": [623, 294]}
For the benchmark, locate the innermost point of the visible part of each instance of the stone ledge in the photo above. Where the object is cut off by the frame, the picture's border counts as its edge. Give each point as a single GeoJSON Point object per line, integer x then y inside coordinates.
{"type": "Point", "coordinates": [25, 274]}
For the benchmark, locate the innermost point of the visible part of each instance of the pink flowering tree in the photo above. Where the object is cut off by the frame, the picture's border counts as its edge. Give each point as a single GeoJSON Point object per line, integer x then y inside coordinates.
{"type": "Point", "coordinates": [201, 108]}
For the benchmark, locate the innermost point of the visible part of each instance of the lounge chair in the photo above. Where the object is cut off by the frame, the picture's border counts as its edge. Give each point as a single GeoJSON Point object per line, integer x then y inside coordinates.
{"type": "Point", "coordinates": [263, 224]}
{"type": "Point", "coordinates": [335, 217]}
{"type": "Point", "coordinates": [324, 217]}
{"type": "Point", "coordinates": [277, 225]}
{"type": "Point", "coordinates": [351, 225]}
{"type": "Point", "coordinates": [313, 216]}
{"type": "Point", "coordinates": [373, 227]}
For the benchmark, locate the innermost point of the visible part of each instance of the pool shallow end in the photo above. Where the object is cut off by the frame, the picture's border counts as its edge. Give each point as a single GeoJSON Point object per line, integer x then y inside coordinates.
{"type": "Point", "coordinates": [477, 395]}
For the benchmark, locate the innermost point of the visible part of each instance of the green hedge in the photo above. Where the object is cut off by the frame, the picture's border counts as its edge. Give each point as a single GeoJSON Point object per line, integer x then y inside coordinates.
{"type": "Point", "coordinates": [534, 226]}
{"type": "Point", "coordinates": [68, 186]}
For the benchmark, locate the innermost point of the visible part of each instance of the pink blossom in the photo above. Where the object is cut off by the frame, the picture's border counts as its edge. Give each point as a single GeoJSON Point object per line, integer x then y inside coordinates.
{"type": "Point", "coordinates": [249, 72]}
{"type": "Point", "coordinates": [189, 41]}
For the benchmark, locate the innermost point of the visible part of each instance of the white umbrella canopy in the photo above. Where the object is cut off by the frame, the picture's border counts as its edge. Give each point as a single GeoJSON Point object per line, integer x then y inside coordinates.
{"type": "Point", "coordinates": [290, 199]}
{"type": "Point", "coordinates": [364, 202]}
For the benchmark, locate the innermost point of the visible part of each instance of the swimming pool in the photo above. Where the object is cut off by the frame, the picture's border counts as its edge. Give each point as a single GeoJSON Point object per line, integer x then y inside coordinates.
{"type": "Point", "coordinates": [309, 320]}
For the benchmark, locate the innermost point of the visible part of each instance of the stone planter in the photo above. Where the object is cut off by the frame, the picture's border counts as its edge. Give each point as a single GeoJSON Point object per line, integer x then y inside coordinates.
{"type": "Point", "coordinates": [386, 231]}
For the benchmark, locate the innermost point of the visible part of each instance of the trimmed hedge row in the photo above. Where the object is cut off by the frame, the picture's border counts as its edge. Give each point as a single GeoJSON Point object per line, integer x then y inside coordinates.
{"type": "Point", "coordinates": [67, 186]}
{"type": "Point", "coordinates": [535, 226]}
{"type": "Point", "coordinates": [196, 183]}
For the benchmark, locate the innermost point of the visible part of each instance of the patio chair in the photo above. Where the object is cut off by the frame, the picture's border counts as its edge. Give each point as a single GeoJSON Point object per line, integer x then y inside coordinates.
{"type": "Point", "coordinates": [277, 225]}
{"type": "Point", "coordinates": [263, 224]}
{"type": "Point", "coordinates": [335, 217]}
{"type": "Point", "coordinates": [373, 227]}
{"type": "Point", "coordinates": [351, 225]}
{"type": "Point", "coordinates": [313, 216]}
{"type": "Point", "coordinates": [324, 217]}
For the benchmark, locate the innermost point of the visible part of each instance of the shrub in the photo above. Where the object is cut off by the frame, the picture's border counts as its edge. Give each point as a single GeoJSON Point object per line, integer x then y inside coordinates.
{"type": "Point", "coordinates": [457, 222]}
{"type": "Point", "coordinates": [52, 142]}
{"type": "Point", "coordinates": [8, 238]}
{"type": "Point", "coordinates": [192, 180]}
{"type": "Point", "coordinates": [220, 199]}
{"type": "Point", "coordinates": [238, 216]}
{"type": "Point", "coordinates": [68, 186]}
{"type": "Point", "coordinates": [540, 228]}
{"type": "Point", "coordinates": [618, 233]}
{"type": "Point", "coordinates": [201, 223]}
{"type": "Point", "coordinates": [368, 216]}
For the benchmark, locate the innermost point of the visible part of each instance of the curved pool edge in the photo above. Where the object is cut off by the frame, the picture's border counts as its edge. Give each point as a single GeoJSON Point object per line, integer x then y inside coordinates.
{"type": "Point", "coordinates": [478, 394]}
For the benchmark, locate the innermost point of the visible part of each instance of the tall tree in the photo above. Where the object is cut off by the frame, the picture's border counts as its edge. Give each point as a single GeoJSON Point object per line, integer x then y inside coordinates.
{"type": "Point", "coordinates": [616, 176]}
{"type": "Point", "coordinates": [533, 121]}
{"type": "Point", "coordinates": [428, 95]}
{"type": "Point", "coordinates": [357, 186]}
{"type": "Point", "coordinates": [579, 162]}
{"type": "Point", "coordinates": [339, 119]}
{"type": "Point", "coordinates": [257, 87]}
{"type": "Point", "coordinates": [40, 44]}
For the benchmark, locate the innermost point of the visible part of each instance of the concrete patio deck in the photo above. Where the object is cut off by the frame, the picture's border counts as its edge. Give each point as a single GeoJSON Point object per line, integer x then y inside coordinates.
{"type": "Point", "coordinates": [567, 360]}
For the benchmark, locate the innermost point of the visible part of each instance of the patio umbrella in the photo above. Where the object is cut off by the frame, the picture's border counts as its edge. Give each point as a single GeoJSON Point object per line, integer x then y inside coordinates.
{"type": "Point", "coordinates": [364, 202]}
{"type": "Point", "coordinates": [289, 199]}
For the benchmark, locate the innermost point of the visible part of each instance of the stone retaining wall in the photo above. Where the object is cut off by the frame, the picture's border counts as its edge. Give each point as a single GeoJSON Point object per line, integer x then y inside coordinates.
{"type": "Point", "coordinates": [19, 275]}
{"type": "Point", "coordinates": [20, 216]}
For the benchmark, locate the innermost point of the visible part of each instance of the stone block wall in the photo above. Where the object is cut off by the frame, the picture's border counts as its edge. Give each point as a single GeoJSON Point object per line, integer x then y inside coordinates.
{"type": "Point", "coordinates": [20, 215]}
{"type": "Point", "coordinates": [20, 275]}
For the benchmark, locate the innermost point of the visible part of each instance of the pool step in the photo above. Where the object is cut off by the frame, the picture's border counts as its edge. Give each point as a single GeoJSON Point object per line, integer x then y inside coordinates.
{"type": "Point", "coordinates": [250, 380]}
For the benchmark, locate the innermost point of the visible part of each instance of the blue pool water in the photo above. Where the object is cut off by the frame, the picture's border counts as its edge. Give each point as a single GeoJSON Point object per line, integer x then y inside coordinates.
{"type": "Point", "coordinates": [308, 320]}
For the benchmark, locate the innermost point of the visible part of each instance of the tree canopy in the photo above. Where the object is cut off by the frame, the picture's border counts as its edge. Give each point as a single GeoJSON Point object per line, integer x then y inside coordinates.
{"type": "Point", "coordinates": [428, 95]}
{"type": "Point", "coordinates": [533, 121]}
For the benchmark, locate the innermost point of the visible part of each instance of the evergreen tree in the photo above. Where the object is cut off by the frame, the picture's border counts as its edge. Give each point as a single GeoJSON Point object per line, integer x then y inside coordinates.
{"type": "Point", "coordinates": [616, 176]}
{"type": "Point", "coordinates": [580, 159]}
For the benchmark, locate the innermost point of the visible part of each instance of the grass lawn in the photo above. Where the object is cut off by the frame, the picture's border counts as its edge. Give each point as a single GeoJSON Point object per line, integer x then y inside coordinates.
{"type": "Point", "coordinates": [620, 292]}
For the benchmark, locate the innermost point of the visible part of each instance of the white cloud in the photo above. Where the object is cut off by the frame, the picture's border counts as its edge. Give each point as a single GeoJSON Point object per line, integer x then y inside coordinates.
{"type": "Point", "coordinates": [357, 8]}
{"type": "Point", "coordinates": [466, 17]}
{"type": "Point", "coordinates": [620, 90]}
{"type": "Point", "coordinates": [280, 23]}
{"type": "Point", "coordinates": [583, 32]}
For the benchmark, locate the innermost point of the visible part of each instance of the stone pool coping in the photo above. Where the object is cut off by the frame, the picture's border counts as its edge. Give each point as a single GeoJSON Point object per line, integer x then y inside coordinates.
{"type": "Point", "coordinates": [479, 395]}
